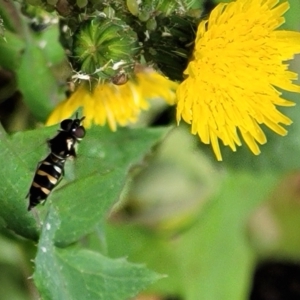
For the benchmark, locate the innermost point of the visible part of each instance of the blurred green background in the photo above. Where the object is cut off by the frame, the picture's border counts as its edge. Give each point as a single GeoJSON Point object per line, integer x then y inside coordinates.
{"type": "Point", "coordinates": [217, 230]}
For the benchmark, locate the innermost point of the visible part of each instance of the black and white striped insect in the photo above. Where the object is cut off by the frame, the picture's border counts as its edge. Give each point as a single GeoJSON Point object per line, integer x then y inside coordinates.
{"type": "Point", "coordinates": [51, 170]}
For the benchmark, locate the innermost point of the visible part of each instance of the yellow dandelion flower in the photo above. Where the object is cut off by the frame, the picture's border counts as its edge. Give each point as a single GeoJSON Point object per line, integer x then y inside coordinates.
{"type": "Point", "coordinates": [116, 104]}
{"type": "Point", "coordinates": [237, 64]}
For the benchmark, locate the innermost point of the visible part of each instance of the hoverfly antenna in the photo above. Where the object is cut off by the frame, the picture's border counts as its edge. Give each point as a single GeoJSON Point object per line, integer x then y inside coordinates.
{"type": "Point", "coordinates": [82, 119]}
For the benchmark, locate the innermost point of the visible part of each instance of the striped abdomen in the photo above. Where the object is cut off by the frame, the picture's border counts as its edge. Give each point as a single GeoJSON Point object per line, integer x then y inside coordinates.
{"type": "Point", "coordinates": [47, 175]}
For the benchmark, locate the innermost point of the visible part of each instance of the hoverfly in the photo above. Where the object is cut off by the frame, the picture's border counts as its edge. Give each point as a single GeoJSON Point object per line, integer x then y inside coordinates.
{"type": "Point", "coordinates": [51, 170]}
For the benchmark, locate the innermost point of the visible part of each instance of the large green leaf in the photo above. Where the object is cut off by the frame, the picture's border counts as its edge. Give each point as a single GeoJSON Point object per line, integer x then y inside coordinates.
{"type": "Point", "coordinates": [72, 274]}
{"type": "Point", "coordinates": [11, 36]}
{"type": "Point", "coordinates": [11, 51]}
{"type": "Point", "coordinates": [292, 16]}
{"type": "Point", "coordinates": [142, 245]}
{"type": "Point", "coordinates": [48, 40]}
{"type": "Point", "coordinates": [83, 198]}
{"type": "Point", "coordinates": [31, 56]}
{"type": "Point", "coordinates": [211, 260]}
{"type": "Point", "coordinates": [36, 81]}
{"type": "Point", "coordinates": [216, 250]}
{"type": "Point", "coordinates": [102, 167]}
{"type": "Point", "coordinates": [14, 187]}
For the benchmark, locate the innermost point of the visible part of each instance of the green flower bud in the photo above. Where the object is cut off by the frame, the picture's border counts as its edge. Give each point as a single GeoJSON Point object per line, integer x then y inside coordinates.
{"type": "Point", "coordinates": [81, 3]}
{"type": "Point", "coordinates": [144, 16]}
{"type": "Point", "coordinates": [104, 47]}
{"type": "Point", "coordinates": [151, 24]}
{"type": "Point", "coordinates": [133, 6]}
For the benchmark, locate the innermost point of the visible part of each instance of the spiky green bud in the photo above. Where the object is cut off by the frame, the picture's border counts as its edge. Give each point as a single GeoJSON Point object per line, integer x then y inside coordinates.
{"type": "Point", "coordinates": [104, 47]}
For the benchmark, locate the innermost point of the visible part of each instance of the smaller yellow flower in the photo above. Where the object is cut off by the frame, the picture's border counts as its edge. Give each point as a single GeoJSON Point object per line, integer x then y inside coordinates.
{"type": "Point", "coordinates": [238, 63]}
{"type": "Point", "coordinates": [116, 104]}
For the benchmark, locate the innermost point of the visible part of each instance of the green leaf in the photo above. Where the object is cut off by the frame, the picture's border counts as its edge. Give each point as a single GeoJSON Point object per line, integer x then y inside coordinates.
{"type": "Point", "coordinates": [292, 16]}
{"type": "Point", "coordinates": [12, 20]}
{"type": "Point", "coordinates": [11, 36]}
{"type": "Point", "coordinates": [13, 177]}
{"type": "Point", "coordinates": [30, 55]}
{"type": "Point", "coordinates": [102, 166]}
{"type": "Point", "coordinates": [216, 250]}
{"type": "Point", "coordinates": [211, 260]}
{"type": "Point", "coordinates": [83, 198]}
{"type": "Point", "coordinates": [10, 51]}
{"type": "Point", "coordinates": [72, 274]}
{"type": "Point", "coordinates": [36, 81]}
{"type": "Point", "coordinates": [48, 39]}
{"type": "Point", "coordinates": [142, 245]}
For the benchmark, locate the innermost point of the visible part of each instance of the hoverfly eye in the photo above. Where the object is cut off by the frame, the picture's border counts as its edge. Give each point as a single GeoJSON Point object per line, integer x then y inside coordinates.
{"type": "Point", "coordinates": [66, 124]}
{"type": "Point", "coordinates": [79, 133]}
